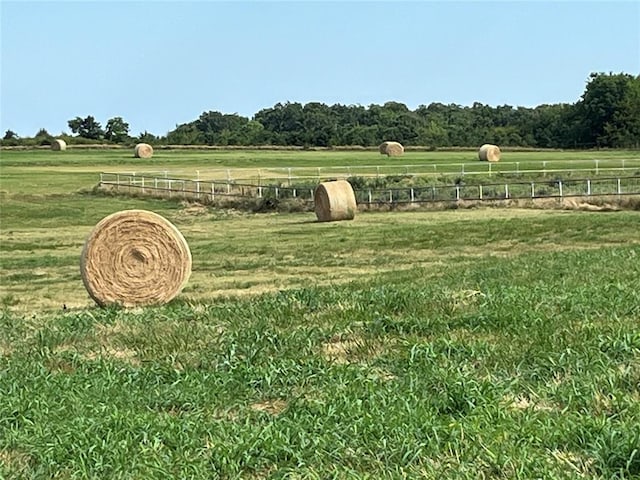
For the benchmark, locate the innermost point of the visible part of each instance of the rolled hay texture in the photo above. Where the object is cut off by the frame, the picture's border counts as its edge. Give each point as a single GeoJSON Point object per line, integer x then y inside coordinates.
{"type": "Point", "coordinates": [58, 145]}
{"type": "Point", "coordinates": [489, 153]}
{"type": "Point", "coordinates": [391, 149]}
{"type": "Point", "coordinates": [135, 258]}
{"type": "Point", "coordinates": [335, 201]}
{"type": "Point", "coordinates": [143, 150]}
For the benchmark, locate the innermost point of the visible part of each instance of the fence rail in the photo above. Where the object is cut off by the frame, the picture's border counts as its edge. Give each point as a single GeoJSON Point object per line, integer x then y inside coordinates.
{"type": "Point", "coordinates": [291, 175]}
{"type": "Point", "coordinates": [208, 190]}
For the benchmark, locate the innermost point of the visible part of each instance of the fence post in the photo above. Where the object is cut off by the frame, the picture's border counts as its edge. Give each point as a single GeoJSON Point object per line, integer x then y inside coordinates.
{"type": "Point", "coordinates": [369, 196]}
{"type": "Point", "coordinates": [619, 188]}
{"type": "Point", "coordinates": [259, 191]}
{"type": "Point", "coordinates": [457, 192]}
{"type": "Point", "coordinates": [213, 191]}
{"type": "Point", "coordinates": [155, 183]}
{"type": "Point", "coordinates": [412, 197]}
{"type": "Point", "coordinates": [533, 191]}
{"type": "Point", "coordinates": [518, 167]}
{"type": "Point", "coordinates": [560, 187]}
{"type": "Point", "coordinates": [544, 168]}
{"type": "Point", "coordinates": [391, 197]}
{"type": "Point", "coordinates": [228, 188]}
{"type": "Point", "coordinates": [100, 180]}
{"type": "Point", "coordinates": [170, 190]}
{"type": "Point", "coordinates": [142, 184]}
{"type": "Point", "coordinates": [588, 187]}
{"type": "Point", "coordinates": [198, 187]}
{"type": "Point", "coordinates": [276, 192]}
{"type": "Point", "coordinates": [480, 191]}
{"type": "Point", "coordinates": [506, 190]}
{"type": "Point", "coordinates": [294, 193]}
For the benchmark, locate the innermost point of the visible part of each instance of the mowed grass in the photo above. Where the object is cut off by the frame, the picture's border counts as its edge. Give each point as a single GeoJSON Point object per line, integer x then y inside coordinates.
{"type": "Point", "coordinates": [44, 172]}
{"type": "Point", "coordinates": [480, 343]}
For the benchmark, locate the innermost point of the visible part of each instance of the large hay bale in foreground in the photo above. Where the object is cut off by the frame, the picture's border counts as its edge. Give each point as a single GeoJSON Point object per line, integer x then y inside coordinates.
{"type": "Point", "coordinates": [391, 149]}
{"type": "Point", "coordinates": [489, 153]}
{"type": "Point", "coordinates": [335, 201]}
{"type": "Point", "coordinates": [135, 258]}
{"type": "Point", "coordinates": [58, 144]}
{"type": "Point", "coordinates": [143, 150]}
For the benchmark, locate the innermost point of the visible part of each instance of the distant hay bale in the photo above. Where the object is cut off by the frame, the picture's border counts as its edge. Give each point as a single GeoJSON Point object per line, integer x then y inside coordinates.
{"type": "Point", "coordinates": [489, 153]}
{"type": "Point", "coordinates": [335, 201]}
{"type": "Point", "coordinates": [135, 258]}
{"type": "Point", "coordinates": [58, 144]}
{"type": "Point", "coordinates": [143, 150]}
{"type": "Point", "coordinates": [391, 149]}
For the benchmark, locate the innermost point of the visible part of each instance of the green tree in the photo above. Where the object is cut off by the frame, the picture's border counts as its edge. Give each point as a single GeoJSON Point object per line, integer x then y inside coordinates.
{"type": "Point", "coordinates": [185, 134]}
{"type": "Point", "coordinates": [86, 127]}
{"type": "Point", "coordinates": [10, 135]}
{"type": "Point", "coordinates": [146, 137]}
{"type": "Point", "coordinates": [213, 124]}
{"type": "Point", "coordinates": [284, 122]}
{"type": "Point", "coordinates": [624, 129]}
{"type": "Point", "coordinates": [604, 95]}
{"type": "Point", "coordinates": [117, 130]}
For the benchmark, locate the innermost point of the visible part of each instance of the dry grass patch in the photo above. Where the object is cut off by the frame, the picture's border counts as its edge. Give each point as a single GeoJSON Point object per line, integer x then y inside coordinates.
{"type": "Point", "coordinates": [123, 354]}
{"type": "Point", "coordinates": [18, 461]}
{"type": "Point", "coordinates": [5, 350]}
{"type": "Point", "coordinates": [523, 402]}
{"type": "Point", "coordinates": [581, 465]}
{"type": "Point", "coordinates": [274, 406]}
{"type": "Point", "coordinates": [344, 349]}
{"type": "Point", "coordinates": [339, 350]}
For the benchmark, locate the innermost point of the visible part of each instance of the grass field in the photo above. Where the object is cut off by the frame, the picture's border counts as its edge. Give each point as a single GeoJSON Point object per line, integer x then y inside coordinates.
{"type": "Point", "coordinates": [469, 343]}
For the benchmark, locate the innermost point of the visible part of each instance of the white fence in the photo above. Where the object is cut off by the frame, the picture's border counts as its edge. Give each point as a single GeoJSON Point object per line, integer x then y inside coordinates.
{"type": "Point", "coordinates": [208, 190]}
{"type": "Point", "coordinates": [292, 175]}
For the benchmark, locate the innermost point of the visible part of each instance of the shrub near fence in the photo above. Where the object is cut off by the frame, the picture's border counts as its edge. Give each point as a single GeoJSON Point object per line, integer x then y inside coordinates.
{"type": "Point", "coordinates": [212, 190]}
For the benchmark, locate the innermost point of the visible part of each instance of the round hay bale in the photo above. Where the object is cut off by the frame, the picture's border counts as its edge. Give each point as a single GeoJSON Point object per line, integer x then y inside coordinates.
{"type": "Point", "coordinates": [143, 150]}
{"type": "Point", "coordinates": [489, 153]}
{"type": "Point", "coordinates": [391, 149]}
{"type": "Point", "coordinates": [134, 258]}
{"type": "Point", "coordinates": [58, 144]}
{"type": "Point", "coordinates": [335, 201]}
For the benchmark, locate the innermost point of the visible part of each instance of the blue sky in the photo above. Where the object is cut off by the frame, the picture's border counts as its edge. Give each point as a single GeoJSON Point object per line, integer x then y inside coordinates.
{"type": "Point", "coordinates": [158, 64]}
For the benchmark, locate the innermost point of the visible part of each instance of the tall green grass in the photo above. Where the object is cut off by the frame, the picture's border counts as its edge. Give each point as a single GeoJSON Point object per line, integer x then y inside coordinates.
{"type": "Point", "coordinates": [456, 344]}
{"type": "Point", "coordinates": [506, 368]}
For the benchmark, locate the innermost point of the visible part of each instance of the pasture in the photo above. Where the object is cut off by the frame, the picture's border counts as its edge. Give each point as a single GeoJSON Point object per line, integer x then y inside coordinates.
{"type": "Point", "coordinates": [467, 343]}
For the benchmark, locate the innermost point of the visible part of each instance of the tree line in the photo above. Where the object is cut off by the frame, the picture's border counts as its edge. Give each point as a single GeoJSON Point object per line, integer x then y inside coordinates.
{"type": "Point", "coordinates": [607, 115]}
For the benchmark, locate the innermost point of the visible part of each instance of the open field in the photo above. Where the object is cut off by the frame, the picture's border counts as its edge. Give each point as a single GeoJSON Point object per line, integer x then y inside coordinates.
{"type": "Point", "coordinates": [468, 343]}
{"type": "Point", "coordinates": [44, 171]}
